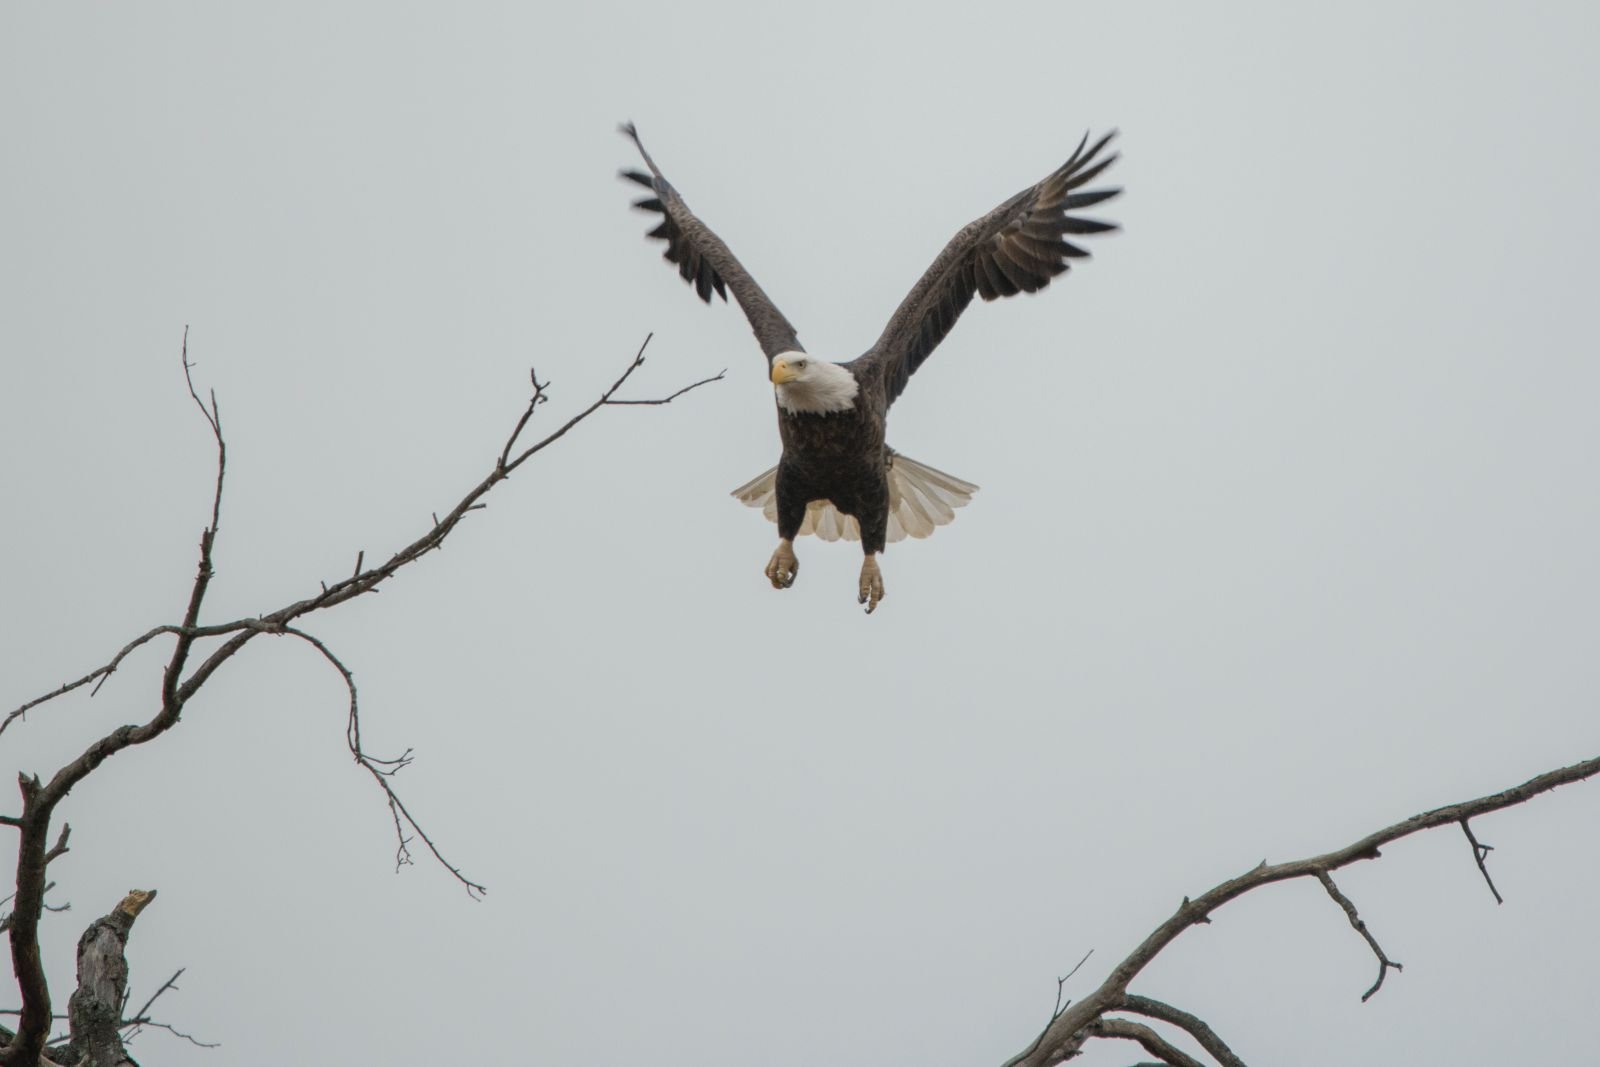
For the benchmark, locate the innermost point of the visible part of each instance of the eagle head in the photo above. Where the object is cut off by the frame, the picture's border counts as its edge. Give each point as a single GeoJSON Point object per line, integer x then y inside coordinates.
{"type": "Point", "coordinates": [811, 385]}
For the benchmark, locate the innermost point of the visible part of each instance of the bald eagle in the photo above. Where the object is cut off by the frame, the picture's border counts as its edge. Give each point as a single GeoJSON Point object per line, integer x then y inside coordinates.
{"type": "Point", "coordinates": [837, 476]}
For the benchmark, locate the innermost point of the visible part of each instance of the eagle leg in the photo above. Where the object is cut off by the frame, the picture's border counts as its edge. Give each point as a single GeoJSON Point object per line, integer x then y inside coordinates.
{"type": "Point", "coordinates": [871, 589]}
{"type": "Point", "coordinates": [783, 566]}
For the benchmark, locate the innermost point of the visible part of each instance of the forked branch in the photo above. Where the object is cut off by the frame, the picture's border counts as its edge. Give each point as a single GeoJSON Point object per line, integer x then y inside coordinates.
{"type": "Point", "coordinates": [1480, 854]}
{"type": "Point", "coordinates": [1064, 1037]}
{"type": "Point", "coordinates": [1360, 927]}
{"type": "Point", "coordinates": [180, 681]}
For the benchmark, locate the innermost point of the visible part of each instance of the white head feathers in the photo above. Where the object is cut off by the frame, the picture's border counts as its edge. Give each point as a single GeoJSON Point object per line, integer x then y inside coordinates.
{"type": "Point", "coordinates": [813, 386]}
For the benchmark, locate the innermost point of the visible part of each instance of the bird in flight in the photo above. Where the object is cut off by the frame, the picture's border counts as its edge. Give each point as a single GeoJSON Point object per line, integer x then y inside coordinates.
{"type": "Point", "coordinates": [837, 476]}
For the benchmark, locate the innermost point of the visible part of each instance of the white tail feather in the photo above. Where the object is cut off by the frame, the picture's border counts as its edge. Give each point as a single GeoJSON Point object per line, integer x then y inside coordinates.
{"type": "Point", "coordinates": [920, 499]}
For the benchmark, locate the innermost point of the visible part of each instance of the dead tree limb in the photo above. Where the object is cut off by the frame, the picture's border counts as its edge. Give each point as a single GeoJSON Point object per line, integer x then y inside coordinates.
{"type": "Point", "coordinates": [1360, 926]}
{"type": "Point", "coordinates": [181, 680]}
{"type": "Point", "coordinates": [1480, 855]}
{"type": "Point", "coordinates": [131, 1025]}
{"type": "Point", "coordinates": [95, 1009]}
{"type": "Point", "coordinates": [1153, 1043]}
{"type": "Point", "coordinates": [1191, 1024]}
{"type": "Point", "coordinates": [1066, 1033]}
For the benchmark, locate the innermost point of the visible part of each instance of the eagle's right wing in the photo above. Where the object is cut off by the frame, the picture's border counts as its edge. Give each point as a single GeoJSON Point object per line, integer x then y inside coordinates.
{"type": "Point", "coordinates": [704, 261]}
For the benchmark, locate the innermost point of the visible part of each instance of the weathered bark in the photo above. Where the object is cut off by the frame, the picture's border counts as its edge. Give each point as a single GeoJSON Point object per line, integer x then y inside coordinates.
{"type": "Point", "coordinates": [95, 1010]}
{"type": "Point", "coordinates": [24, 1047]}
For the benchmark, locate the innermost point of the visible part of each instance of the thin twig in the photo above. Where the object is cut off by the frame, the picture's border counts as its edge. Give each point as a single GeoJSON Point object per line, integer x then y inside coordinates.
{"type": "Point", "coordinates": [140, 1024]}
{"type": "Point", "coordinates": [102, 673]}
{"type": "Point", "coordinates": [669, 399]}
{"type": "Point", "coordinates": [1344, 902]}
{"type": "Point", "coordinates": [143, 1013]}
{"type": "Point", "coordinates": [534, 401]}
{"type": "Point", "coordinates": [1064, 979]}
{"type": "Point", "coordinates": [214, 418]}
{"type": "Point", "coordinates": [1480, 853]}
{"type": "Point", "coordinates": [5, 921]}
{"type": "Point", "coordinates": [1060, 1006]}
{"type": "Point", "coordinates": [382, 770]}
{"type": "Point", "coordinates": [60, 847]}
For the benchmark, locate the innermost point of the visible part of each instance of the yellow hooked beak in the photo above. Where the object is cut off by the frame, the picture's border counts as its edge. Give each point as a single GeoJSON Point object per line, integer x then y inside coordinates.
{"type": "Point", "coordinates": [782, 373]}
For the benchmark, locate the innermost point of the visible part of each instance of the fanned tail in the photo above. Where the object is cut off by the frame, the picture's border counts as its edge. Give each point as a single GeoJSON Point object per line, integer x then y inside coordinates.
{"type": "Point", "coordinates": [920, 499]}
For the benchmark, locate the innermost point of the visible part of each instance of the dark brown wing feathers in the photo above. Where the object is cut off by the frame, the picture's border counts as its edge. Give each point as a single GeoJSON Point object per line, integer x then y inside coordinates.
{"type": "Point", "coordinates": [704, 261]}
{"type": "Point", "coordinates": [692, 266]}
{"type": "Point", "coordinates": [1016, 248]}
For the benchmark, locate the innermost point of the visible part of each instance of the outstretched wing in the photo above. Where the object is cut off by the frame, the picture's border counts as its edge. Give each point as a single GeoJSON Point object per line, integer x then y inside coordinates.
{"type": "Point", "coordinates": [704, 261]}
{"type": "Point", "coordinates": [1016, 248]}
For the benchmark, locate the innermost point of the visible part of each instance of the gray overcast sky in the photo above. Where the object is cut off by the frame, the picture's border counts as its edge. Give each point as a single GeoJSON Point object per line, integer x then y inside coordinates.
{"type": "Point", "coordinates": [1287, 528]}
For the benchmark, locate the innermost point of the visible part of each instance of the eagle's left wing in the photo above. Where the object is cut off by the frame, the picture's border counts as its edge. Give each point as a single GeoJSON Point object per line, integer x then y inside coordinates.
{"type": "Point", "coordinates": [1017, 247]}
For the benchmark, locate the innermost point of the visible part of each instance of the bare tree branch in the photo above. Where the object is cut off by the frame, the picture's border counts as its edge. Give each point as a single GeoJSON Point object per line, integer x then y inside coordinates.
{"type": "Point", "coordinates": [363, 581]}
{"type": "Point", "coordinates": [60, 846]}
{"type": "Point", "coordinates": [717, 377]}
{"type": "Point", "coordinates": [169, 1028]}
{"type": "Point", "coordinates": [1480, 853]}
{"type": "Point", "coordinates": [5, 923]}
{"type": "Point", "coordinates": [1153, 1043]}
{"type": "Point", "coordinates": [40, 799]}
{"type": "Point", "coordinates": [1194, 1025]}
{"type": "Point", "coordinates": [382, 770]}
{"type": "Point", "coordinates": [1066, 1033]}
{"type": "Point", "coordinates": [33, 1024]}
{"type": "Point", "coordinates": [1384, 962]}
{"type": "Point", "coordinates": [214, 419]}
{"type": "Point", "coordinates": [1060, 1005]}
{"type": "Point", "coordinates": [141, 1018]}
{"type": "Point", "coordinates": [538, 397]}
{"type": "Point", "coordinates": [100, 673]}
